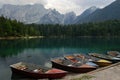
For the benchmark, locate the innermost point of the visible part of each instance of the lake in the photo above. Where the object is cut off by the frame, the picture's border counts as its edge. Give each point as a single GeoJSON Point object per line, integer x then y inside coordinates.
{"type": "Point", "coordinates": [40, 51]}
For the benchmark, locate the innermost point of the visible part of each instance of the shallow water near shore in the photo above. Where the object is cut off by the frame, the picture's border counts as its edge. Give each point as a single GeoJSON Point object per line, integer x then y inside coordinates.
{"type": "Point", "coordinates": [41, 50]}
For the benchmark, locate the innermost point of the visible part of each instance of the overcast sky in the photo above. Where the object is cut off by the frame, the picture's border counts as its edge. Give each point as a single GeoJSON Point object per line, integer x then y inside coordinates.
{"type": "Point", "coordinates": [63, 6]}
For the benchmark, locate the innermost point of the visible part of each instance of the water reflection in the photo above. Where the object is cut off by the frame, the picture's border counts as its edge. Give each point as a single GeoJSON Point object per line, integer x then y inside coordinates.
{"type": "Point", "coordinates": [14, 47]}
{"type": "Point", "coordinates": [40, 51]}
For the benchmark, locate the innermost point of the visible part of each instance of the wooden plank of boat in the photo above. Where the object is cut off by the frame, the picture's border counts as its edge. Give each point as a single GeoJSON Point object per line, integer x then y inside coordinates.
{"type": "Point", "coordinates": [37, 72]}
{"type": "Point", "coordinates": [106, 57]}
{"type": "Point", "coordinates": [71, 58]}
{"type": "Point", "coordinates": [70, 66]}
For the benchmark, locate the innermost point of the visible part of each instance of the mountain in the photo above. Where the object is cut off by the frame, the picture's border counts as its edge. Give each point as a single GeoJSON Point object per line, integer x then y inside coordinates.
{"type": "Point", "coordinates": [69, 18]}
{"type": "Point", "coordinates": [52, 16]}
{"type": "Point", "coordinates": [24, 13]}
{"type": "Point", "coordinates": [35, 14]}
{"type": "Point", "coordinates": [110, 12]}
{"type": "Point", "coordinates": [38, 14]}
{"type": "Point", "coordinates": [86, 13]}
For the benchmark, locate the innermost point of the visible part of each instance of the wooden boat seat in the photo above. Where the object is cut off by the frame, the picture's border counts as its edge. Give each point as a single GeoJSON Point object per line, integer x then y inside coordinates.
{"type": "Point", "coordinates": [86, 66]}
{"type": "Point", "coordinates": [21, 67]}
{"type": "Point", "coordinates": [54, 71]}
{"type": "Point", "coordinates": [58, 61]}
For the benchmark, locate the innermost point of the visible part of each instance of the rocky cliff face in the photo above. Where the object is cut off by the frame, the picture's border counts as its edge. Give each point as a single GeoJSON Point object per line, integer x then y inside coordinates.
{"type": "Point", "coordinates": [32, 14]}
{"type": "Point", "coordinates": [53, 17]}
{"type": "Point", "coordinates": [25, 13]}
{"type": "Point", "coordinates": [87, 12]}
{"type": "Point", "coordinates": [69, 18]}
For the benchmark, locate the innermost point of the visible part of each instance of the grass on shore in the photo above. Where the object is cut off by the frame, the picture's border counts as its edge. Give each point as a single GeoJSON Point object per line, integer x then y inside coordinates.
{"type": "Point", "coordinates": [84, 77]}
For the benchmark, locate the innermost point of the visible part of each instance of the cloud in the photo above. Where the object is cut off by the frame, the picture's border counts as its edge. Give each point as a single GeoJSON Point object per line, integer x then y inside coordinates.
{"type": "Point", "coordinates": [78, 6]}
{"type": "Point", "coordinates": [63, 6]}
{"type": "Point", "coordinates": [23, 2]}
{"type": "Point", "coordinates": [98, 3]}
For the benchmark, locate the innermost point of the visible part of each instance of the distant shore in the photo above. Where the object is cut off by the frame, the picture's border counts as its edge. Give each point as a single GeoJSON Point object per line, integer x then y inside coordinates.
{"type": "Point", "coordinates": [27, 37]}
{"type": "Point", "coordinates": [30, 37]}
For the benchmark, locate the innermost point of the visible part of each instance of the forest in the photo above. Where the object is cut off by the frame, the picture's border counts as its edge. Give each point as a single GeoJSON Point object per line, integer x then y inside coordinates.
{"type": "Point", "coordinates": [14, 28]}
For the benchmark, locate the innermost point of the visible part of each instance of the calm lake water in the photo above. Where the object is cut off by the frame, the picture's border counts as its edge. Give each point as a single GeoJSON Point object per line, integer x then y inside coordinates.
{"type": "Point", "coordinates": [40, 51]}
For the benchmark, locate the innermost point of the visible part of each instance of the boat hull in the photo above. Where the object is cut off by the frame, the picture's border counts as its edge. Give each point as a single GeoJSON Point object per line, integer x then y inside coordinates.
{"type": "Point", "coordinates": [102, 64]}
{"type": "Point", "coordinates": [72, 69]}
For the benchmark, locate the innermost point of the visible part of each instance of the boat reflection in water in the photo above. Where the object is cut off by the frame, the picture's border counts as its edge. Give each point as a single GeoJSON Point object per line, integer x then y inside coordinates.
{"type": "Point", "coordinates": [20, 77]}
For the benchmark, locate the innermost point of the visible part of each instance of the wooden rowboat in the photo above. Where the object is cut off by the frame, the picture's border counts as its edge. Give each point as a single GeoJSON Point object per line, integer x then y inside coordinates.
{"type": "Point", "coordinates": [75, 67]}
{"type": "Point", "coordinates": [37, 72]}
{"type": "Point", "coordinates": [105, 57]}
{"type": "Point", "coordinates": [87, 59]}
{"type": "Point", "coordinates": [114, 54]}
{"type": "Point", "coordinates": [83, 59]}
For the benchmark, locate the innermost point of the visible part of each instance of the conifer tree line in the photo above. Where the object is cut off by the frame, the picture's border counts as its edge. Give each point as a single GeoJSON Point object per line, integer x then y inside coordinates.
{"type": "Point", "coordinates": [14, 28]}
